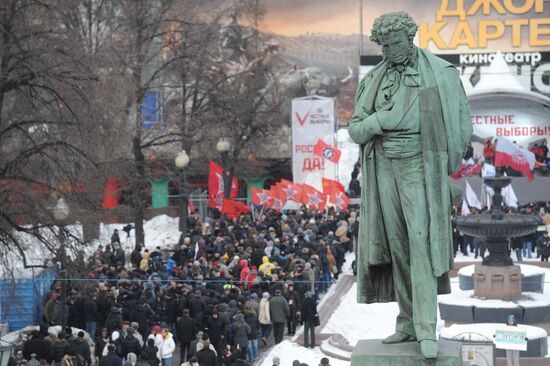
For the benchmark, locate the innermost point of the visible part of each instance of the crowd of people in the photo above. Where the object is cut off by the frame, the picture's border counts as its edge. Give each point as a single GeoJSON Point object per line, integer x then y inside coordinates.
{"type": "Point", "coordinates": [219, 294]}
{"type": "Point", "coordinates": [536, 244]}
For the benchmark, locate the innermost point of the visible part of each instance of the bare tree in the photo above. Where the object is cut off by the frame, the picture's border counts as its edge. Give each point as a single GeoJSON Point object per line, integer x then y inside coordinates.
{"type": "Point", "coordinates": [40, 91]}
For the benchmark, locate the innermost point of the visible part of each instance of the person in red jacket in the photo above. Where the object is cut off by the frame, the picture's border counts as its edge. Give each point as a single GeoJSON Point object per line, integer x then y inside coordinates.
{"type": "Point", "coordinates": [489, 151]}
{"type": "Point", "coordinates": [244, 271]}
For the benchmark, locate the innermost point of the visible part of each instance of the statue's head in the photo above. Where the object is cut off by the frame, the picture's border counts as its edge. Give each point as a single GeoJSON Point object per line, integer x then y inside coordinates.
{"type": "Point", "coordinates": [395, 33]}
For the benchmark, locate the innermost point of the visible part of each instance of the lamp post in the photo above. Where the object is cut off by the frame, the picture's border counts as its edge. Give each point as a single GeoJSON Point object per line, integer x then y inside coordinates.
{"type": "Point", "coordinates": [5, 352]}
{"type": "Point", "coordinates": [182, 160]}
{"type": "Point", "coordinates": [223, 146]}
{"type": "Point", "coordinates": [60, 214]}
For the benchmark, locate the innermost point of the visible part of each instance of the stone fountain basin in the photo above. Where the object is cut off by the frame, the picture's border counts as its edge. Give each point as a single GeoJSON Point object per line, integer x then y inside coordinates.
{"type": "Point", "coordinates": [532, 278]}
{"type": "Point", "coordinates": [484, 226]}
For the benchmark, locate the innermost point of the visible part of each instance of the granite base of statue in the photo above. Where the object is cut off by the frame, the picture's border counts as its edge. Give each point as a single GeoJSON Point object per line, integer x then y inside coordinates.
{"type": "Point", "coordinates": [372, 352]}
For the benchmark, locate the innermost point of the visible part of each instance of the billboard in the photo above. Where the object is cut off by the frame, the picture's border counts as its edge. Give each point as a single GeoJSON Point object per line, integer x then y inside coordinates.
{"type": "Point", "coordinates": [501, 49]}
{"type": "Point", "coordinates": [312, 119]}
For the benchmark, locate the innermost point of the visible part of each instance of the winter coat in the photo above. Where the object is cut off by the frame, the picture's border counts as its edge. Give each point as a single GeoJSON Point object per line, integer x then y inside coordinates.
{"type": "Point", "coordinates": [309, 310]}
{"type": "Point", "coordinates": [244, 271]}
{"type": "Point", "coordinates": [207, 357]}
{"type": "Point", "coordinates": [242, 330]}
{"type": "Point", "coordinates": [130, 344]}
{"type": "Point", "coordinates": [294, 301]}
{"type": "Point", "coordinates": [167, 347]}
{"type": "Point", "coordinates": [110, 360]}
{"type": "Point", "coordinates": [82, 349]}
{"type": "Point", "coordinates": [279, 309]}
{"type": "Point", "coordinates": [60, 349]}
{"type": "Point", "coordinates": [215, 329]}
{"type": "Point", "coordinates": [149, 354]}
{"type": "Point", "coordinates": [186, 328]}
{"type": "Point", "coordinates": [135, 258]}
{"type": "Point", "coordinates": [252, 320]}
{"type": "Point", "coordinates": [113, 321]}
{"type": "Point", "coordinates": [266, 266]}
{"type": "Point", "coordinates": [264, 315]}
{"type": "Point", "coordinates": [39, 346]}
{"type": "Point", "coordinates": [144, 263]}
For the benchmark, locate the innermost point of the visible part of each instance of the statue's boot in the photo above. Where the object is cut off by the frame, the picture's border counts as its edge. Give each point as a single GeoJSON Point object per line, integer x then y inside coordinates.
{"type": "Point", "coordinates": [428, 348]}
{"type": "Point", "coordinates": [399, 337]}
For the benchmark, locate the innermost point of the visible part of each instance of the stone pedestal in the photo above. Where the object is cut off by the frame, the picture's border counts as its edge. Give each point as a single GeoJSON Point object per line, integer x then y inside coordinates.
{"type": "Point", "coordinates": [497, 282]}
{"type": "Point", "coordinates": [372, 352]}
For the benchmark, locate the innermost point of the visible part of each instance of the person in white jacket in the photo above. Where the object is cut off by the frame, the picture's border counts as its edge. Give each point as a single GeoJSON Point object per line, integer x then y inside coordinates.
{"type": "Point", "coordinates": [167, 347]}
{"type": "Point", "coordinates": [264, 317]}
{"type": "Point", "coordinates": [157, 337]}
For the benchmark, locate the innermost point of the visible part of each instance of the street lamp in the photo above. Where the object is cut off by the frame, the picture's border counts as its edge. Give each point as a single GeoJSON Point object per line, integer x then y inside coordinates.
{"type": "Point", "coordinates": [223, 146]}
{"type": "Point", "coordinates": [5, 352]}
{"type": "Point", "coordinates": [60, 213]}
{"type": "Point", "coordinates": [182, 160]}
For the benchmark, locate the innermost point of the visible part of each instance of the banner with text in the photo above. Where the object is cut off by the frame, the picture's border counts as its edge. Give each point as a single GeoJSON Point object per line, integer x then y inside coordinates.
{"type": "Point", "coordinates": [312, 119]}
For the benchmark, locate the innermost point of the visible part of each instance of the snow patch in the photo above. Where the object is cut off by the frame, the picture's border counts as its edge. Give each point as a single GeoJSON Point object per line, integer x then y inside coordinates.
{"type": "Point", "coordinates": [288, 351]}
{"type": "Point", "coordinates": [526, 270]}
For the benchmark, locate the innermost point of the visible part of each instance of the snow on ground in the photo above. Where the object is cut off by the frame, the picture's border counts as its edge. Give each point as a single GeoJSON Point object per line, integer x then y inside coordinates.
{"type": "Point", "coordinates": [471, 258]}
{"type": "Point", "coordinates": [288, 351]}
{"type": "Point", "coordinates": [160, 231]}
{"type": "Point", "coordinates": [362, 321]}
{"type": "Point", "coordinates": [526, 270]}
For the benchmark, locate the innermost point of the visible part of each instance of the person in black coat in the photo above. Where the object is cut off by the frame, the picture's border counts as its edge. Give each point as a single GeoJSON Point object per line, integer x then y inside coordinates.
{"type": "Point", "coordinates": [135, 256]}
{"type": "Point", "coordinates": [186, 329]}
{"type": "Point", "coordinates": [197, 308]}
{"type": "Point", "coordinates": [82, 348]}
{"type": "Point", "coordinates": [130, 344]}
{"type": "Point", "coordinates": [89, 315]}
{"type": "Point", "coordinates": [149, 353]}
{"type": "Point", "coordinates": [60, 348]}
{"type": "Point", "coordinates": [171, 310]}
{"type": "Point", "coordinates": [37, 345]}
{"type": "Point", "coordinates": [111, 359]}
{"type": "Point", "coordinates": [206, 356]}
{"type": "Point", "coordinates": [308, 317]}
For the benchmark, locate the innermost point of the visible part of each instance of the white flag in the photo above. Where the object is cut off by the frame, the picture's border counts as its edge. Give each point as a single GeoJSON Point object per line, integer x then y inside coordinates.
{"type": "Point", "coordinates": [488, 192]}
{"type": "Point", "coordinates": [488, 170]}
{"type": "Point", "coordinates": [509, 196]}
{"type": "Point", "coordinates": [471, 197]}
{"type": "Point", "coordinates": [465, 209]}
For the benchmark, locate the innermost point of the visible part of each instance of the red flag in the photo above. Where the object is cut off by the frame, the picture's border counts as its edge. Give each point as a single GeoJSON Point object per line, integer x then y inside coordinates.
{"type": "Point", "coordinates": [292, 191]}
{"type": "Point", "coordinates": [327, 151]}
{"type": "Point", "coordinates": [233, 208]}
{"type": "Point", "coordinates": [111, 195]}
{"type": "Point", "coordinates": [329, 185]}
{"type": "Point", "coordinates": [312, 198]}
{"type": "Point", "coordinates": [191, 207]}
{"type": "Point", "coordinates": [278, 199]}
{"type": "Point", "coordinates": [508, 154]}
{"type": "Point", "coordinates": [216, 186]}
{"type": "Point", "coordinates": [466, 170]}
{"type": "Point", "coordinates": [340, 199]}
{"type": "Point", "coordinates": [260, 197]}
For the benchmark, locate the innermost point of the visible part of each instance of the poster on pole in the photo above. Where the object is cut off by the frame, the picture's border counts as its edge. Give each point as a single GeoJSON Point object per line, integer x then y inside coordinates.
{"type": "Point", "coordinates": [312, 119]}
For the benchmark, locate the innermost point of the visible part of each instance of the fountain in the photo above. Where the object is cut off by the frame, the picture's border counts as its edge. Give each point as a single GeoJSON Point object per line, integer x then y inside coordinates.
{"type": "Point", "coordinates": [497, 277]}
{"type": "Point", "coordinates": [497, 282]}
